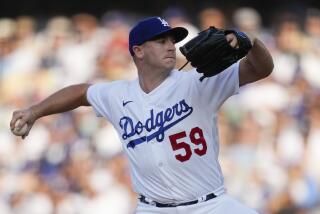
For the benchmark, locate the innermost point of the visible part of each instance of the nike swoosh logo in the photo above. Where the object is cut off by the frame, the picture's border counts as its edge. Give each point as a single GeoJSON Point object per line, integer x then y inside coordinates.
{"type": "Point", "coordinates": [125, 103]}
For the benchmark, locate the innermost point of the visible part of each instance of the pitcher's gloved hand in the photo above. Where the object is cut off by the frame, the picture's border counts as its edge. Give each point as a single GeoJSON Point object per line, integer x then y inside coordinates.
{"type": "Point", "coordinates": [210, 51]}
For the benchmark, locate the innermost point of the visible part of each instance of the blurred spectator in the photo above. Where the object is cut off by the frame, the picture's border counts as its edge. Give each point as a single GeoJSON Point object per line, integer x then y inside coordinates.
{"type": "Point", "coordinates": [212, 17]}
{"type": "Point", "coordinates": [19, 56]}
{"type": "Point", "coordinates": [78, 60]}
{"type": "Point", "coordinates": [310, 58]}
{"type": "Point", "coordinates": [289, 41]}
{"type": "Point", "coordinates": [26, 30]}
{"type": "Point", "coordinates": [312, 23]}
{"type": "Point", "coordinates": [249, 20]}
{"type": "Point", "coordinates": [114, 61]}
{"type": "Point", "coordinates": [7, 36]}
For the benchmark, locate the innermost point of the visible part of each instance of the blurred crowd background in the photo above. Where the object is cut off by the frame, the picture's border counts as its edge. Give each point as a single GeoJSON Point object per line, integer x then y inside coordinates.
{"type": "Point", "coordinates": [72, 163]}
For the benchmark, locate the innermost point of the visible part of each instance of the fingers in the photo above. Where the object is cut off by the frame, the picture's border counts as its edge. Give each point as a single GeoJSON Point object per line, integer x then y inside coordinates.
{"type": "Point", "coordinates": [19, 119]}
{"type": "Point", "coordinates": [229, 37]}
{"type": "Point", "coordinates": [234, 43]}
{"type": "Point", "coordinates": [24, 136]}
{"type": "Point", "coordinates": [16, 115]}
{"type": "Point", "coordinates": [27, 133]}
{"type": "Point", "coordinates": [232, 40]}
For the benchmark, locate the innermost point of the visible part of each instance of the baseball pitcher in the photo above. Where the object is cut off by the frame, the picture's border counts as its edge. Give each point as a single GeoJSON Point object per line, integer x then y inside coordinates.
{"type": "Point", "coordinates": [167, 119]}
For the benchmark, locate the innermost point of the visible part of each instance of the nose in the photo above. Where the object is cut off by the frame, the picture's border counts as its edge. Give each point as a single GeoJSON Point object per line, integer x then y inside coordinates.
{"type": "Point", "coordinates": [171, 44]}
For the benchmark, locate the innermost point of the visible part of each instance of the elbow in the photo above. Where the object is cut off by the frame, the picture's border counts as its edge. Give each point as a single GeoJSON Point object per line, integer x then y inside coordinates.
{"type": "Point", "coordinates": [269, 69]}
{"type": "Point", "coordinates": [263, 71]}
{"type": "Point", "coordinates": [271, 66]}
{"type": "Point", "coordinates": [261, 59]}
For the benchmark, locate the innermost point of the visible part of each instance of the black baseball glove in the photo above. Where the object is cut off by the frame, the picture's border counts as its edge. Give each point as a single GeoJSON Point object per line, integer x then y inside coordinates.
{"type": "Point", "coordinates": [211, 53]}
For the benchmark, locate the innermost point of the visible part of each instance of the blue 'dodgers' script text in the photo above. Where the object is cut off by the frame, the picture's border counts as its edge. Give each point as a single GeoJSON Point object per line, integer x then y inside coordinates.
{"type": "Point", "coordinates": [157, 123]}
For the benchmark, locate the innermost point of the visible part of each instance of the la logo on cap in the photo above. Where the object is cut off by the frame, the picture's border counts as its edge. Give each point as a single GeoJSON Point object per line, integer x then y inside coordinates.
{"type": "Point", "coordinates": [163, 22]}
{"type": "Point", "coordinates": [151, 27]}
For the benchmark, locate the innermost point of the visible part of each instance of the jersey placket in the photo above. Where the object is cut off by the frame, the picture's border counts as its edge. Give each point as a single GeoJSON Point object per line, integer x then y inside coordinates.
{"type": "Point", "coordinates": [158, 150]}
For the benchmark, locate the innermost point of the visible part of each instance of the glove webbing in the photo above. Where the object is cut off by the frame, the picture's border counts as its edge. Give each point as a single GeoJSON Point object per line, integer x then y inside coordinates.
{"type": "Point", "coordinates": [198, 43]}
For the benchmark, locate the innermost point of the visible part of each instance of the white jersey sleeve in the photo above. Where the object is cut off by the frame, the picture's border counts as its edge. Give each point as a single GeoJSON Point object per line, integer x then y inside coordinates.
{"type": "Point", "coordinates": [99, 96]}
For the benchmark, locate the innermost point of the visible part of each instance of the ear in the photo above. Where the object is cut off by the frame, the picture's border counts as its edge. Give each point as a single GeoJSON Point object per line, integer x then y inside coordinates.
{"type": "Point", "coordinates": [138, 51]}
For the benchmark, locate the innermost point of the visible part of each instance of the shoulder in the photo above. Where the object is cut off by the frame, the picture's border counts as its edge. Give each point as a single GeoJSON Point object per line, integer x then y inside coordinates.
{"type": "Point", "coordinates": [113, 87]}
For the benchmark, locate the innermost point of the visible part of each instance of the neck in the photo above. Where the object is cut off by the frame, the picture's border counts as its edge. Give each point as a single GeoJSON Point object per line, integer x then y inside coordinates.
{"type": "Point", "coordinates": [151, 79]}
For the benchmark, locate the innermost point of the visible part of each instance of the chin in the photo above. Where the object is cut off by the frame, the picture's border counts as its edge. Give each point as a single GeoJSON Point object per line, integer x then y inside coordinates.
{"type": "Point", "coordinates": [170, 67]}
{"type": "Point", "coordinates": [171, 64]}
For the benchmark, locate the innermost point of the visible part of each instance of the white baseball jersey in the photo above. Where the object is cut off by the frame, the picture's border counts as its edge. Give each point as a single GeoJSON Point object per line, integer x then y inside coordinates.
{"type": "Point", "coordinates": [170, 134]}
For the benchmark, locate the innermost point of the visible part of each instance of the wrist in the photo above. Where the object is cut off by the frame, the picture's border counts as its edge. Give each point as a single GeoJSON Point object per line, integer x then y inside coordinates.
{"type": "Point", "coordinates": [35, 112]}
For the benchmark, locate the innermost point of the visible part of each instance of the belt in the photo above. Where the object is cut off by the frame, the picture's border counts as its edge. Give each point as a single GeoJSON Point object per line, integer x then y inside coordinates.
{"type": "Point", "coordinates": [208, 197]}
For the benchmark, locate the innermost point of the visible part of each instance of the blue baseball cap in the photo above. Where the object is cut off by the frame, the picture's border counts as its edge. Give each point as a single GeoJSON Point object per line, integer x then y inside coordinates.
{"type": "Point", "coordinates": [149, 28]}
